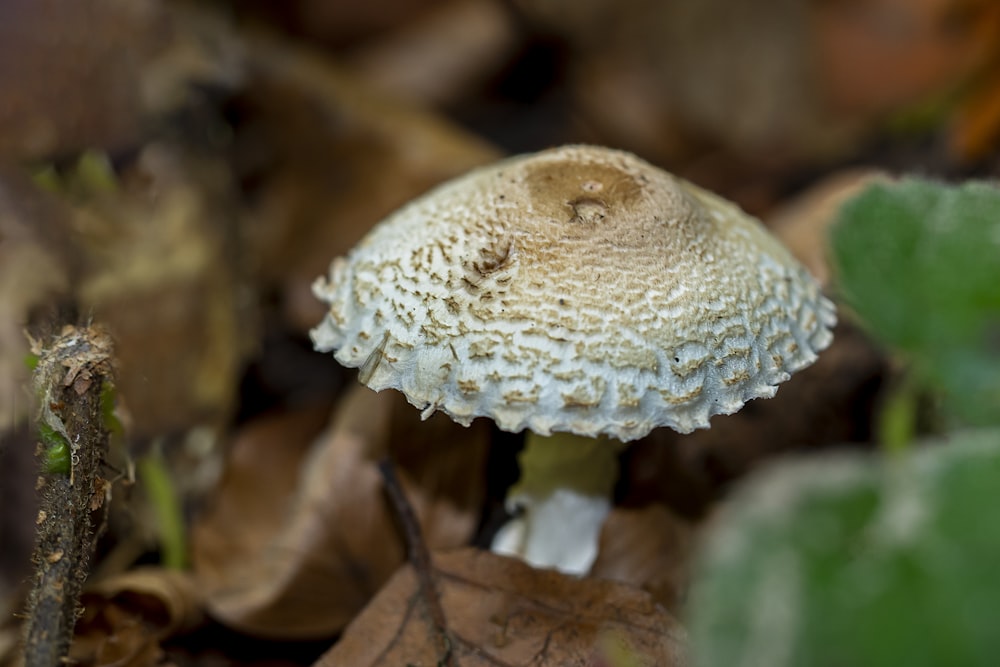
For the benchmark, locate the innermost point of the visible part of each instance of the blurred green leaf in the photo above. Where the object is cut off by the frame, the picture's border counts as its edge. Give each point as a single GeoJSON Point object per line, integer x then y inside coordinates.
{"type": "Point", "coordinates": [920, 264]}
{"type": "Point", "coordinates": [857, 561]}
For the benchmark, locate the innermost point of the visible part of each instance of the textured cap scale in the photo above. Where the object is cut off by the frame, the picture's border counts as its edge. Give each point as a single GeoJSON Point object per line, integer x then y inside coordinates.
{"type": "Point", "coordinates": [578, 289]}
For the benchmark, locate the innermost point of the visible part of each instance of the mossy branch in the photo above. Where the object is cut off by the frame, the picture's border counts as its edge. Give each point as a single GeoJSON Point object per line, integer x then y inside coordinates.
{"type": "Point", "coordinates": [70, 381]}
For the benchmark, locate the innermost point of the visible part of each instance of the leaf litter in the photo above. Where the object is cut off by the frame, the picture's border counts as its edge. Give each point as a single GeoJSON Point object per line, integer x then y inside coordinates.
{"type": "Point", "coordinates": [502, 612]}
{"type": "Point", "coordinates": [298, 540]}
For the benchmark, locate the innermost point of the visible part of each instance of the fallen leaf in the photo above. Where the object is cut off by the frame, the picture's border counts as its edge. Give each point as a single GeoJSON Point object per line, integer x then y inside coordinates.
{"type": "Point", "coordinates": [500, 611]}
{"type": "Point", "coordinates": [11, 638]}
{"type": "Point", "coordinates": [437, 58]}
{"type": "Point", "coordinates": [773, 83]}
{"type": "Point", "coordinates": [71, 73]}
{"type": "Point", "coordinates": [649, 548]}
{"type": "Point", "coordinates": [878, 56]}
{"type": "Point", "coordinates": [337, 23]}
{"type": "Point", "coordinates": [163, 277]}
{"type": "Point", "coordinates": [250, 503]}
{"type": "Point", "coordinates": [939, 56]}
{"type": "Point", "coordinates": [975, 129]}
{"type": "Point", "coordinates": [699, 78]}
{"type": "Point", "coordinates": [127, 616]}
{"type": "Point", "coordinates": [307, 551]}
{"type": "Point", "coordinates": [323, 158]}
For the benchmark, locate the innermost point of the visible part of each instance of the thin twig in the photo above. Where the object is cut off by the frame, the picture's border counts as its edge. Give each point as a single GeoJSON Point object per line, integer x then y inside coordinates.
{"type": "Point", "coordinates": [70, 381]}
{"type": "Point", "coordinates": [420, 559]}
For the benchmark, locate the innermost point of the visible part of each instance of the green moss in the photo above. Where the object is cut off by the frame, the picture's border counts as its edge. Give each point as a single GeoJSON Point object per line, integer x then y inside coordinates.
{"type": "Point", "coordinates": [93, 173]}
{"type": "Point", "coordinates": [108, 400]}
{"type": "Point", "coordinates": [47, 178]}
{"type": "Point", "coordinates": [57, 457]}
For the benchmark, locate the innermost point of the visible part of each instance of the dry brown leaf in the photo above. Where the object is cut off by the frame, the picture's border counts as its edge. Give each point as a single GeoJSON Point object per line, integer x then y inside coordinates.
{"type": "Point", "coordinates": [501, 611]}
{"type": "Point", "coordinates": [772, 83]}
{"type": "Point", "coordinates": [325, 159]}
{"type": "Point", "coordinates": [975, 129]}
{"type": "Point", "coordinates": [884, 55]}
{"type": "Point", "coordinates": [438, 57]}
{"type": "Point", "coordinates": [71, 72]}
{"type": "Point", "coordinates": [11, 639]}
{"type": "Point", "coordinates": [163, 278]}
{"type": "Point", "coordinates": [649, 548]}
{"type": "Point", "coordinates": [127, 616]}
{"type": "Point", "coordinates": [307, 563]}
{"type": "Point", "coordinates": [878, 56]}
{"type": "Point", "coordinates": [251, 501]}
{"type": "Point", "coordinates": [151, 247]}
{"type": "Point", "coordinates": [336, 23]}
{"type": "Point", "coordinates": [676, 80]}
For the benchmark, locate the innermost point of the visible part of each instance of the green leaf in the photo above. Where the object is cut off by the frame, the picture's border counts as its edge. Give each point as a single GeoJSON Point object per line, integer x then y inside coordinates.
{"type": "Point", "coordinates": [919, 262]}
{"type": "Point", "coordinates": [857, 561]}
{"type": "Point", "coordinates": [162, 492]}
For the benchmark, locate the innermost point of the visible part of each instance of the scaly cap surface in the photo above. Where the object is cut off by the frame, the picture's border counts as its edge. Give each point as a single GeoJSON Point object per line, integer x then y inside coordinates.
{"type": "Point", "coordinates": [578, 289]}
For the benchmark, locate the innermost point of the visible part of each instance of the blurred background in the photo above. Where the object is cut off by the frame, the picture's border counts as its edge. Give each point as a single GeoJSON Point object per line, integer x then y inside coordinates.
{"type": "Point", "coordinates": [180, 172]}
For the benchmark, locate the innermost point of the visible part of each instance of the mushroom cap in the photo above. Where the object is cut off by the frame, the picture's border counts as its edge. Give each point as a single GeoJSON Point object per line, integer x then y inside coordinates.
{"type": "Point", "coordinates": [577, 289]}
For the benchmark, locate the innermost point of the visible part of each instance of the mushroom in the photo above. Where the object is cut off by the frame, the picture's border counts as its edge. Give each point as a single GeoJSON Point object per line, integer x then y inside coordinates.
{"type": "Point", "coordinates": [584, 295]}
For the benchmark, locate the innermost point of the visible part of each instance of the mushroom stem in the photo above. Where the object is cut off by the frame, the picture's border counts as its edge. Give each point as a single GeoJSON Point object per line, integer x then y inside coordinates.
{"type": "Point", "coordinates": [562, 499]}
